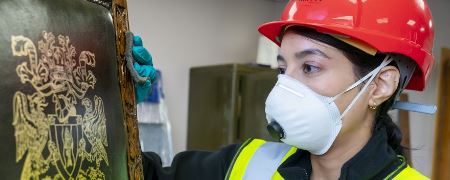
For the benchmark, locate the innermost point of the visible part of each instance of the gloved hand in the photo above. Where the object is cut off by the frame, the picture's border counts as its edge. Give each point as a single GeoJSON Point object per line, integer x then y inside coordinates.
{"type": "Point", "coordinates": [140, 54]}
{"type": "Point", "coordinates": [144, 67]}
{"type": "Point", "coordinates": [142, 89]}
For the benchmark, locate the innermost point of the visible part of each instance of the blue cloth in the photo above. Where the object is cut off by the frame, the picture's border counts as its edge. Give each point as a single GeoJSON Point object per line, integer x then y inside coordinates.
{"type": "Point", "coordinates": [157, 91]}
{"type": "Point", "coordinates": [144, 67]}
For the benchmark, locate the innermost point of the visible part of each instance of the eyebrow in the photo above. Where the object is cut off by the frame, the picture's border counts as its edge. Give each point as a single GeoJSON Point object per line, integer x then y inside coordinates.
{"type": "Point", "coordinates": [305, 53]}
{"type": "Point", "coordinates": [280, 58]}
{"type": "Point", "coordinates": [309, 52]}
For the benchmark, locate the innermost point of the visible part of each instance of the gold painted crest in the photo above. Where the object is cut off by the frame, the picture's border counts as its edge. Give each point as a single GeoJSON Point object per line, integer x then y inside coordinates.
{"type": "Point", "coordinates": [60, 131]}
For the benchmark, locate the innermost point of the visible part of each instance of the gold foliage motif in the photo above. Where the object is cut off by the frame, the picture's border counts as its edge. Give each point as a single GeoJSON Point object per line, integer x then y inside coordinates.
{"type": "Point", "coordinates": [55, 138]}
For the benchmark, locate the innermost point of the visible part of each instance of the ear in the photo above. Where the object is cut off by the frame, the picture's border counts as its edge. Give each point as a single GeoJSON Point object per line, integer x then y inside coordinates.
{"type": "Point", "coordinates": [384, 85]}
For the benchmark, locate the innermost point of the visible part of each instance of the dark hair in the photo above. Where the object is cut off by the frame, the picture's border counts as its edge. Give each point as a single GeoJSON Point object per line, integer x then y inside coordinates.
{"type": "Point", "coordinates": [363, 63]}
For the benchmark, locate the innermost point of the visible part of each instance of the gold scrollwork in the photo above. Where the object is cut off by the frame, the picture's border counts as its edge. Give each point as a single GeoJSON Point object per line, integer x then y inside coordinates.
{"type": "Point", "coordinates": [55, 138]}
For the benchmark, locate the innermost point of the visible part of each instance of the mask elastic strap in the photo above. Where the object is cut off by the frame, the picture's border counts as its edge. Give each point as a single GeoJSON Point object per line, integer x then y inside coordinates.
{"type": "Point", "coordinates": [355, 84]}
{"type": "Point", "coordinates": [372, 75]}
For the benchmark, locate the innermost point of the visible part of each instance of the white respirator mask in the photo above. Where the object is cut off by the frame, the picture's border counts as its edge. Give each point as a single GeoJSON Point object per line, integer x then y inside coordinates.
{"type": "Point", "coordinates": [300, 117]}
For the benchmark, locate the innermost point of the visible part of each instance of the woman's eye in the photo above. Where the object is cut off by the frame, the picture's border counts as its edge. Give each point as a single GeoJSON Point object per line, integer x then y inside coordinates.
{"type": "Point", "coordinates": [281, 70]}
{"type": "Point", "coordinates": [310, 68]}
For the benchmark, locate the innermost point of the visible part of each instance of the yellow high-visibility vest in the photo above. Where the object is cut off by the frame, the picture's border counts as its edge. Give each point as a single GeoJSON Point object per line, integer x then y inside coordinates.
{"type": "Point", "coordinates": [258, 159]}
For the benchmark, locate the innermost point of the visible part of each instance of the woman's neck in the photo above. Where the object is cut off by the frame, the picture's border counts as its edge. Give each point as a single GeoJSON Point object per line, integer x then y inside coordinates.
{"type": "Point", "coordinates": [346, 145]}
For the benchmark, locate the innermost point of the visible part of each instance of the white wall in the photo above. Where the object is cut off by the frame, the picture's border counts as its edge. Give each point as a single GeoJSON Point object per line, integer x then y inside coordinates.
{"type": "Point", "coordinates": [186, 33]}
{"type": "Point", "coordinates": [422, 126]}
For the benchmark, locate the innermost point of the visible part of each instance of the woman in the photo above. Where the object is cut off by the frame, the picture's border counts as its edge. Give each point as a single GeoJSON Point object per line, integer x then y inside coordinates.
{"type": "Point", "coordinates": [342, 65]}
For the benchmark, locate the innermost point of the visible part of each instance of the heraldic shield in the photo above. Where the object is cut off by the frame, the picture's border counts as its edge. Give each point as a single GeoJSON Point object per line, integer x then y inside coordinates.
{"type": "Point", "coordinates": [63, 113]}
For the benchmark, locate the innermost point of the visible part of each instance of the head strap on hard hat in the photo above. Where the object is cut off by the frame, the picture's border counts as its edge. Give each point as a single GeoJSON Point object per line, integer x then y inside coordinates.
{"type": "Point", "coordinates": [407, 68]}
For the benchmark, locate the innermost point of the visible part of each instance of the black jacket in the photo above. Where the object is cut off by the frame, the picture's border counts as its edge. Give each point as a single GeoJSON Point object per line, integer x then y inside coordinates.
{"type": "Point", "coordinates": [375, 161]}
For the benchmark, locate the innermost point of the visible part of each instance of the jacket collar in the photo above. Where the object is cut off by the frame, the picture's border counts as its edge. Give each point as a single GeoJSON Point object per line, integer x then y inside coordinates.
{"type": "Point", "coordinates": [375, 159]}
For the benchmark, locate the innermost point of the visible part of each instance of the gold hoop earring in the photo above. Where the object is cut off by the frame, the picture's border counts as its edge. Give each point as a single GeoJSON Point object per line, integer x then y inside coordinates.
{"type": "Point", "coordinates": [374, 106]}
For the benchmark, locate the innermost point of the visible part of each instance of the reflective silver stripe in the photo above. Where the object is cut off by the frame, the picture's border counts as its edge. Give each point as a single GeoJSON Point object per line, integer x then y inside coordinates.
{"type": "Point", "coordinates": [264, 163]}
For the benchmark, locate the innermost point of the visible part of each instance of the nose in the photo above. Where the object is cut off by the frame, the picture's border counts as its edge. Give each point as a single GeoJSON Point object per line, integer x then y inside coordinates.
{"type": "Point", "coordinates": [289, 71]}
{"type": "Point", "coordinates": [275, 130]}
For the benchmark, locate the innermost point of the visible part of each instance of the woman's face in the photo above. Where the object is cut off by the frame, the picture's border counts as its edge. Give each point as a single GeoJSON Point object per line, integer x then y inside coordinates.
{"type": "Point", "coordinates": [326, 71]}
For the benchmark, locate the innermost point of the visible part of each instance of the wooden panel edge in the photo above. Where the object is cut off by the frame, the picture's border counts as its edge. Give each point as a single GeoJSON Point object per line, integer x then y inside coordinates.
{"type": "Point", "coordinates": [134, 157]}
{"type": "Point", "coordinates": [441, 159]}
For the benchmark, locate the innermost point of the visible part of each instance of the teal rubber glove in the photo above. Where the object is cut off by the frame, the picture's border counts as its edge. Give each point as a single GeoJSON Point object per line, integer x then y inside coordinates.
{"type": "Point", "coordinates": [140, 54]}
{"type": "Point", "coordinates": [142, 89]}
{"type": "Point", "coordinates": [144, 67]}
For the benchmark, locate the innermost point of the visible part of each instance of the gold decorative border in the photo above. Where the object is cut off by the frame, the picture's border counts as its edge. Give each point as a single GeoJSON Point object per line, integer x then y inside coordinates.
{"type": "Point", "coordinates": [134, 157]}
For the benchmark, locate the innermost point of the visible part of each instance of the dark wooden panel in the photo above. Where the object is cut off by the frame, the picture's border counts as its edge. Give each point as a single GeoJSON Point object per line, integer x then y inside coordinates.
{"type": "Point", "coordinates": [441, 161]}
{"type": "Point", "coordinates": [226, 104]}
{"type": "Point", "coordinates": [212, 92]}
{"type": "Point", "coordinates": [255, 85]}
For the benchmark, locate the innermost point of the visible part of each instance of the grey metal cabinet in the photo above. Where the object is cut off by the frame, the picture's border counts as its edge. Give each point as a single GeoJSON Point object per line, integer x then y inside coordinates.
{"type": "Point", "coordinates": [226, 104]}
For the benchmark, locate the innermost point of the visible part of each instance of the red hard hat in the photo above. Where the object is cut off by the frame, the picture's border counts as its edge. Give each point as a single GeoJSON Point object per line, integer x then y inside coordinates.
{"type": "Point", "coordinates": [400, 26]}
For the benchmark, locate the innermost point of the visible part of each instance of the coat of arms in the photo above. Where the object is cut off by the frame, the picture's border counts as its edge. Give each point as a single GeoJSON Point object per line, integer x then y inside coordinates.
{"type": "Point", "coordinates": [60, 131]}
